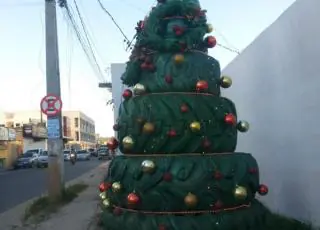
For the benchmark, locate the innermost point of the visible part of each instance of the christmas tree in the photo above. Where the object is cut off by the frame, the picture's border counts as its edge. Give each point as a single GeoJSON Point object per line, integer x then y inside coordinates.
{"type": "Point", "coordinates": [177, 134]}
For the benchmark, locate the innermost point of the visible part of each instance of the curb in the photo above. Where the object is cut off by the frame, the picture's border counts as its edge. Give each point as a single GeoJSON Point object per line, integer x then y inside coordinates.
{"type": "Point", "coordinates": [12, 218]}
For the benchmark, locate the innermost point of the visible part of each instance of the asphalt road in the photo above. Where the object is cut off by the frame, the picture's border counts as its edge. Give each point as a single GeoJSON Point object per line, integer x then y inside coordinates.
{"type": "Point", "coordinates": [21, 185]}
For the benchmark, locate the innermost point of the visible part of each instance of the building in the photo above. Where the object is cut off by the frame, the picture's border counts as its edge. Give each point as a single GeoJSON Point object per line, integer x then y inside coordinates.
{"type": "Point", "coordinates": [276, 88]}
{"type": "Point", "coordinates": [78, 129]}
{"type": "Point", "coordinates": [83, 130]}
{"type": "Point", "coordinates": [117, 69]}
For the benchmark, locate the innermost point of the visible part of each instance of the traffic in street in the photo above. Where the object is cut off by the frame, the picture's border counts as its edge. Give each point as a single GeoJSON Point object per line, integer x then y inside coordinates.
{"type": "Point", "coordinates": [18, 186]}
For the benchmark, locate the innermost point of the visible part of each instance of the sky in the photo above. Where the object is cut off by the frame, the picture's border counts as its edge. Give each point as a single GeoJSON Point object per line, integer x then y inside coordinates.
{"type": "Point", "coordinates": [22, 47]}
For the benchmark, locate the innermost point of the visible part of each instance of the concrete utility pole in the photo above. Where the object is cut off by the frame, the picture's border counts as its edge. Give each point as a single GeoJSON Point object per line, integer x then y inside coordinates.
{"type": "Point", "coordinates": [55, 145]}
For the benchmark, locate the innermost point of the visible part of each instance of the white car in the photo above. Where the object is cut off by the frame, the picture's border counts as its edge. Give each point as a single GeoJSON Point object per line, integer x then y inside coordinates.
{"type": "Point", "coordinates": [83, 155]}
{"type": "Point", "coordinates": [43, 160]}
{"type": "Point", "coordinates": [66, 155]}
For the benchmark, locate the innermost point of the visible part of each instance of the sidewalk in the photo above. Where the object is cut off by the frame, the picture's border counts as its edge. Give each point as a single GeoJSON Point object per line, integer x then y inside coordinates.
{"type": "Point", "coordinates": [81, 214]}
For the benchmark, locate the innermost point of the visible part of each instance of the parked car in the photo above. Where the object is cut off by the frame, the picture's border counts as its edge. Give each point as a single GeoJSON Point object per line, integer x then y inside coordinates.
{"type": "Point", "coordinates": [25, 160]}
{"type": "Point", "coordinates": [66, 155]}
{"type": "Point", "coordinates": [83, 155]}
{"type": "Point", "coordinates": [36, 153]}
{"type": "Point", "coordinates": [43, 160]}
{"type": "Point", "coordinates": [104, 153]}
{"type": "Point", "coordinates": [93, 152]}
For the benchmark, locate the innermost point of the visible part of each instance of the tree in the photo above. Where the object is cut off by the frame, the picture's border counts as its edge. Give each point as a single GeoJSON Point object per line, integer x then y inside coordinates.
{"type": "Point", "coordinates": [179, 170]}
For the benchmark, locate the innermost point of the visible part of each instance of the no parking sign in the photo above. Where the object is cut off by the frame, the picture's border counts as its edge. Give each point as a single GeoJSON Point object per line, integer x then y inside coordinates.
{"type": "Point", "coordinates": [51, 105]}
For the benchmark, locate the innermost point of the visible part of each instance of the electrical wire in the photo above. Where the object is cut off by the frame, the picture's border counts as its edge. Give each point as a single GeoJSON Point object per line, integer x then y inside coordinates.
{"type": "Point", "coordinates": [85, 46]}
{"type": "Point", "coordinates": [91, 35]}
{"type": "Point", "coordinates": [69, 54]}
{"type": "Point", "coordinates": [87, 37]}
{"type": "Point", "coordinates": [229, 49]}
{"type": "Point", "coordinates": [113, 20]}
{"type": "Point", "coordinates": [41, 81]}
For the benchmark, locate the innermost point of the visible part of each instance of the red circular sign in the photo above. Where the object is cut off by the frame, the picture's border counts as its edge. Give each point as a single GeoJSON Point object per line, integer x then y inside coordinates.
{"type": "Point", "coordinates": [51, 105]}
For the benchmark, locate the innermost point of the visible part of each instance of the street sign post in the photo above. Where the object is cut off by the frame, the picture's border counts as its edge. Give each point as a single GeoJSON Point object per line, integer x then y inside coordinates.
{"type": "Point", "coordinates": [51, 105]}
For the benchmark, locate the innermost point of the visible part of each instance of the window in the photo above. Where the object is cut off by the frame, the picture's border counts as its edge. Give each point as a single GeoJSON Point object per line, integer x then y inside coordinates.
{"type": "Point", "coordinates": [76, 122]}
{"type": "Point", "coordinates": [77, 136]}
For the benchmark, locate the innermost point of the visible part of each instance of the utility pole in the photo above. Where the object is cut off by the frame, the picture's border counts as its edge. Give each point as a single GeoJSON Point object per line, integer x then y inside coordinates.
{"type": "Point", "coordinates": [55, 145]}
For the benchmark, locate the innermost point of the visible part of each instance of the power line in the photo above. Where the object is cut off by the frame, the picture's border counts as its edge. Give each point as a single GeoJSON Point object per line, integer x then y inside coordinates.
{"type": "Point", "coordinates": [114, 21]}
{"type": "Point", "coordinates": [85, 47]}
{"type": "Point", "coordinates": [91, 34]}
{"type": "Point", "coordinates": [87, 37]}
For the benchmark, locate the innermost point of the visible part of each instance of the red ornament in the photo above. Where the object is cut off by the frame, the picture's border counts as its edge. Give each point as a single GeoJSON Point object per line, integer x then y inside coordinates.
{"type": "Point", "coordinates": [202, 85]}
{"type": "Point", "coordinates": [217, 175]}
{"type": "Point", "coordinates": [206, 143]}
{"type": "Point", "coordinates": [116, 127]}
{"type": "Point", "coordinates": [104, 186]}
{"type": "Point", "coordinates": [178, 30]}
{"type": "Point", "coordinates": [168, 79]}
{"type": "Point", "coordinates": [127, 94]}
{"type": "Point", "coordinates": [218, 205]}
{"type": "Point", "coordinates": [183, 46]}
{"type": "Point", "coordinates": [211, 41]}
{"type": "Point", "coordinates": [230, 119]}
{"type": "Point", "coordinates": [162, 227]}
{"type": "Point", "coordinates": [117, 211]}
{"type": "Point", "coordinates": [144, 65]}
{"type": "Point", "coordinates": [167, 176]}
{"type": "Point", "coordinates": [184, 108]}
{"type": "Point", "coordinates": [172, 133]}
{"type": "Point", "coordinates": [112, 143]}
{"type": "Point", "coordinates": [263, 190]}
{"type": "Point", "coordinates": [133, 198]}
{"type": "Point", "coordinates": [253, 170]}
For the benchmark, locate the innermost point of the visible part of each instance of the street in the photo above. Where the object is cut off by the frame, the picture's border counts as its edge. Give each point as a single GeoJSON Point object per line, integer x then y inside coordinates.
{"type": "Point", "coordinates": [21, 185]}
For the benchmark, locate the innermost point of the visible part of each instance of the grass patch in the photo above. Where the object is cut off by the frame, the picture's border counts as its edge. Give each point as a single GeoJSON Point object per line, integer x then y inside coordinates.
{"type": "Point", "coordinates": [42, 207]}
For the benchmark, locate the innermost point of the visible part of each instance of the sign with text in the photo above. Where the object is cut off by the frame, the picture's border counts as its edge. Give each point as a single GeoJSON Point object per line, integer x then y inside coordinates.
{"type": "Point", "coordinates": [12, 134]}
{"type": "Point", "coordinates": [4, 134]}
{"type": "Point", "coordinates": [53, 128]}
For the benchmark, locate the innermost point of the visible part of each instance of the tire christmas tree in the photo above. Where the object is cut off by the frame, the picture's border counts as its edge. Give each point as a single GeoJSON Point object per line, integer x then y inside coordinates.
{"type": "Point", "coordinates": [179, 170]}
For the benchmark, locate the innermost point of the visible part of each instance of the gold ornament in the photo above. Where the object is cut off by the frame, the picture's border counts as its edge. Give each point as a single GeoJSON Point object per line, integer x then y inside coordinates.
{"type": "Point", "coordinates": [225, 82]}
{"type": "Point", "coordinates": [139, 89]}
{"type": "Point", "coordinates": [178, 58]}
{"type": "Point", "coordinates": [116, 187]}
{"type": "Point", "coordinates": [191, 200]}
{"type": "Point", "coordinates": [106, 203]}
{"type": "Point", "coordinates": [127, 143]}
{"type": "Point", "coordinates": [243, 126]}
{"type": "Point", "coordinates": [209, 28]}
{"type": "Point", "coordinates": [148, 166]}
{"type": "Point", "coordinates": [148, 128]}
{"type": "Point", "coordinates": [195, 126]}
{"type": "Point", "coordinates": [103, 195]}
{"type": "Point", "coordinates": [240, 193]}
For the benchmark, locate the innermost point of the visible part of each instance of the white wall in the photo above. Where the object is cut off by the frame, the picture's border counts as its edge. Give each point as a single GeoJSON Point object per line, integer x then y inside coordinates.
{"type": "Point", "coordinates": [117, 69]}
{"type": "Point", "coordinates": [276, 88]}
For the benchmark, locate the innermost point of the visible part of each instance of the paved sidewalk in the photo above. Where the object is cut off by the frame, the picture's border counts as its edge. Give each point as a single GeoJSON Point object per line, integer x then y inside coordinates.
{"type": "Point", "coordinates": [80, 214]}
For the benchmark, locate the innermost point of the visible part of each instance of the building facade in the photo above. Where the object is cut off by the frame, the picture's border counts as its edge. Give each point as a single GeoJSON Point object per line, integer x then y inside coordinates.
{"type": "Point", "coordinates": [77, 127]}
{"type": "Point", "coordinates": [276, 88]}
{"type": "Point", "coordinates": [117, 69]}
{"type": "Point", "coordinates": [82, 129]}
